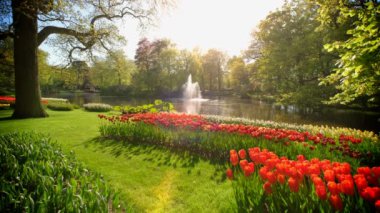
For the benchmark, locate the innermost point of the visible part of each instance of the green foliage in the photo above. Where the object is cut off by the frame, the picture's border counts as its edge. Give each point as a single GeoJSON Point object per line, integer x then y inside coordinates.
{"type": "Point", "coordinates": [357, 75]}
{"type": "Point", "coordinates": [157, 106]}
{"type": "Point", "coordinates": [6, 67]}
{"type": "Point", "coordinates": [97, 107]}
{"type": "Point", "coordinates": [38, 177]}
{"type": "Point", "coordinates": [163, 69]}
{"type": "Point", "coordinates": [213, 62]}
{"type": "Point", "coordinates": [238, 74]}
{"type": "Point", "coordinates": [289, 57]}
{"type": "Point", "coordinates": [60, 106]}
{"type": "Point", "coordinates": [113, 71]}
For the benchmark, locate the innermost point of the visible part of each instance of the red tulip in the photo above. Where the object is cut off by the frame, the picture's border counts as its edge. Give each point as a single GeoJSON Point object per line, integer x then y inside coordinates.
{"type": "Point", "coordinates": [314, 169]}
{"type": "Point", "coordinates": [376, 171]}
{"type": "Point", "coordinates": [336, 202]}
{"type": "Point", "coordinates": [329, 175]}
{"type": "Point", "coordinates": [360, 182]}
{"type": "Point", "coordinates": [317, 180]}
{"type": "Point", "coordinates": [233, 152]}
{"type": "Point", "coordinates": [234, 159]}
{"type": "Point", "coordinates": [267, 187]}
{"type": "Point", "coordinates": [230, 174]}
{"type": "Point", "coordinates": [293, 184]}
{"type": "Point", "coordinates": [333, 188]}
{"type": "Point", "coordinates": [347, 187]}
{"type": "Point", "coordinates": [281, 178]}
{"type": "Point", "coordinates": [366, 171]}
{"type": "Point", "coordinates": [271, 177]}
{"type": "Point", "coordinates": [243, 163]}
{"type": "Point", "coordinates": [252, 166]}
{"type": "Point", "coordinates": [263, 172]}
{"type": "Point", "coordinates": [242, 154]}
{"type": "Point", "coordinates": [321, 191]}
{"type": "Point", "coordinates": [370, 193]}
{"type": "Point", "coordinates": [377, 205]}
{"type": "Point", "coordinates": [248, 170]}
{"type": "Point", "coordinates": [300, 157]}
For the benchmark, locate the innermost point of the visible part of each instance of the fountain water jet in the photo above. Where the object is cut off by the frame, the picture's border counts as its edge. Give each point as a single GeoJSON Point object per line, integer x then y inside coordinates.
{"type": "Point", "coordinates": [191, 90]}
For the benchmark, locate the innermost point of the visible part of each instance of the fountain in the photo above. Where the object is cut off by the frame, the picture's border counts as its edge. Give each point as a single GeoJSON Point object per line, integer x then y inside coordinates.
{"type": "Point", "coordinates": [192, 98]}
{"type": "Point", "coordinates": [191, 90]}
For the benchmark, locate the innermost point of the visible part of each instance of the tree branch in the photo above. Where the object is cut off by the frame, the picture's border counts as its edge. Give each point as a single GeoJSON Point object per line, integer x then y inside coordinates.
{"type": "Point", "coordinates": [46, 31]}
{"type": "Point", "coordinates": [123, 12]}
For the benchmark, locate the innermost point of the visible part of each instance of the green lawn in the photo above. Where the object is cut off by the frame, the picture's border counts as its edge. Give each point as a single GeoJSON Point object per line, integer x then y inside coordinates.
{"type": "Point", "coordinates": [151, 179]}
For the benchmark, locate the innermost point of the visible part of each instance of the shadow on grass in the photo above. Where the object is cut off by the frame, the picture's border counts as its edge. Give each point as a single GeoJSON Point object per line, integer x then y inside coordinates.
{"type": "Point", "coordinates": [157, 155]}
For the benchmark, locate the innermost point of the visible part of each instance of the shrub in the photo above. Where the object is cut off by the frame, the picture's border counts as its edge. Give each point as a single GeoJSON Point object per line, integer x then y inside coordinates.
{"type": "Point", "coordinates": [60, 106]}
{"type": "Point", "coordinates": [157, 106]}
{"type": "Point", "coordinates": [36, 176]}
{"type": "Point", "coordinates": [60, 100]}
{"type": "Point", "coordinates": [97, 107]}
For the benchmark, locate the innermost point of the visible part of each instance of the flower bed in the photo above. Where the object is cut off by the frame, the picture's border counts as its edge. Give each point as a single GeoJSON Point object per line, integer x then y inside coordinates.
{"type": "Point", "coordinates": [345, 145]}
{"type": "Point", "coordinates": [262, 180]}
{"type": "Point", "coordinates": [333, 132]}
{"type": "Point", "coordinates": [12, 100]}
{"type": "Point", "coordinates": [277, 183]}
{"type": "Point", "coordinates": [7, 100]}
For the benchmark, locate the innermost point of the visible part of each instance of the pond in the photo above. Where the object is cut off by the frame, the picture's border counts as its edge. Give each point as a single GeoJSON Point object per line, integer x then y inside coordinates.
{"type": "Point", "coordinates": [236, 107]}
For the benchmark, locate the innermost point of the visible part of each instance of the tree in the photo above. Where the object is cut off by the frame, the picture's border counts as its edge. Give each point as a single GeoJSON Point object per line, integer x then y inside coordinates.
{"type": "Point", "coordinates": [85, 25]}
{"type": "Point", "coordinates": [123, 67]}
{"type": "Point", "coordinates": [213, 68]}
{"type": "Point", "coordinates": [286, 69]}
{"type": "Point", "coordinates": [238, 74]}
{"type": "Point", "coordinates": [189, 62]}
{"type": "Point", "coordinates": [45, 70]}
{"type": "Point", "coordinates": [79, 67]}
{"type": "Point", "coordinates": [114, 70]}
{"type": "Point", "coordinates": [156, 63]}
{"type": "Point", "coordinates": [6, 66]}
{"type": "Point", "coordinates": [357, 75]}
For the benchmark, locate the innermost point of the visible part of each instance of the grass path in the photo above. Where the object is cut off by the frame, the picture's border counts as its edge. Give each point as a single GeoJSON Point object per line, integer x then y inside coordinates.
{"type": "Point", "coordinates": [151, 179]}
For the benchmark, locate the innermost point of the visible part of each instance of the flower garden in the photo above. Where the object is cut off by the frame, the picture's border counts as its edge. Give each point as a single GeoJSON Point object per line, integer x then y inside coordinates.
{"type": "Point", "coordinates": [271, 166]}
{"type": "Point", "coordinates": [278, 166]}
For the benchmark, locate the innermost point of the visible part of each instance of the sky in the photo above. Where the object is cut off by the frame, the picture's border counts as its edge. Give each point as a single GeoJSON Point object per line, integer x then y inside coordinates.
{"type": "Point", "coordinates": [222, 24]}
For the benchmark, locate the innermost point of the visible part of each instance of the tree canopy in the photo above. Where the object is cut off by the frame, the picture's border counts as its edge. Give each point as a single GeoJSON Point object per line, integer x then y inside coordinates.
{"type": "Point", "coordinates": [82, 25]}
{"type": "Point", "coordinates": [357, 74]}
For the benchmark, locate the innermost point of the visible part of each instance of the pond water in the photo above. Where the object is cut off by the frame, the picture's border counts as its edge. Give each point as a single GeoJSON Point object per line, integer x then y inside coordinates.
{"type": "Point", "coordinates": [236, 107]}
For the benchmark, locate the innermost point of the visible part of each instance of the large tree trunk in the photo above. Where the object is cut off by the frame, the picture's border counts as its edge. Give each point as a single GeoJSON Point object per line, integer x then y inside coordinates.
{"type": "Point", "coordinates": [28, 94]}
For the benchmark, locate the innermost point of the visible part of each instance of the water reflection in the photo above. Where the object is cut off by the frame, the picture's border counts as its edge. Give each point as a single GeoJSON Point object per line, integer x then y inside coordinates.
{"type": "Point", "coordinates": [192, 107]}
{"type": "Point", "coordinates": [229, 106]}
